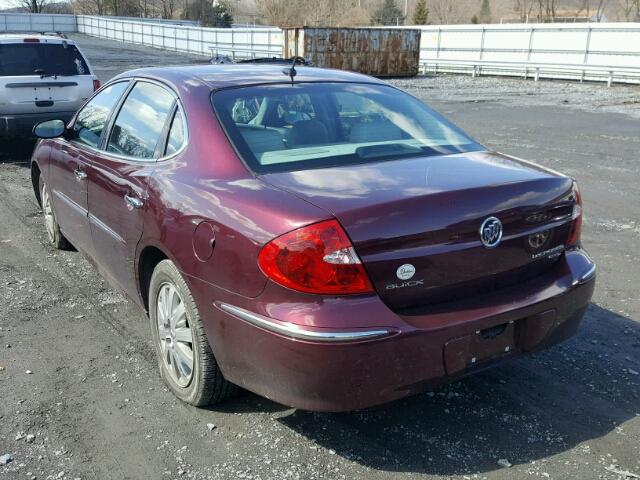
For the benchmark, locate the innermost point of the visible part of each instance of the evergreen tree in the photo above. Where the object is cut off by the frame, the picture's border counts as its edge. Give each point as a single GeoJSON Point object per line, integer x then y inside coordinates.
{"type": "Point", "coordinates": [421, 13]}
{"type": "Point", "coordinates": [210, 15]}
{"type": "Point", "coordinates": [218, 16]}
{"type": "Point", "coordinates": [388, 14]}
{"type": "Point", "coordinates": [485, 12]}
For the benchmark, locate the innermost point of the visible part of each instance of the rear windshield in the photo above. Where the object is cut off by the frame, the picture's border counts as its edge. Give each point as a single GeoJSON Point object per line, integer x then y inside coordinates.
{"type": "Point", "coordinates": [313, 125]}
{"type": "Point", "coordinates": [21, 59]}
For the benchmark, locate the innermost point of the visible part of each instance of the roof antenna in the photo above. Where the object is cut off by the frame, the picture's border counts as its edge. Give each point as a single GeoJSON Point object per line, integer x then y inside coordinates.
{"type": "Point", "coordinates": [292, 71]}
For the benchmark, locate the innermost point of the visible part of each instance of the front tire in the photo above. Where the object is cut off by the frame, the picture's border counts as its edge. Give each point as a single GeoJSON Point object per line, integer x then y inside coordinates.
{"type": "Point", "coordinates": [55, 236]}
{"type": "Point", "coordinates": [185, 359]}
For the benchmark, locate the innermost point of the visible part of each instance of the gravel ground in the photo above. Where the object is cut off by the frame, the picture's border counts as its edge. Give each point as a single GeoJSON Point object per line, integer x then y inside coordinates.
{"type": "Point", "coordinates": [80, 396]}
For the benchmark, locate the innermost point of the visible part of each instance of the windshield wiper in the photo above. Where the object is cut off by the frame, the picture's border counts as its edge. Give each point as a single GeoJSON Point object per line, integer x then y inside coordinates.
{"type": "Point", "coordinates": [386, 150]}
{"type": "Point", "coordinates": [43, 74]}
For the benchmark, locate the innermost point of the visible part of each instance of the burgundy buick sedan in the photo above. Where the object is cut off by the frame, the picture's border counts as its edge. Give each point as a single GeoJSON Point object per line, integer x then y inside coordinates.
{"type": "Point", "coordinates": [324, 240]}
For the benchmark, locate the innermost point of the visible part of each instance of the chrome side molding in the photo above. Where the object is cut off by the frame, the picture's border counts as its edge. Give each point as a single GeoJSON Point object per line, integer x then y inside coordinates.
{"type": "Point", "coordinates": [296, 332]}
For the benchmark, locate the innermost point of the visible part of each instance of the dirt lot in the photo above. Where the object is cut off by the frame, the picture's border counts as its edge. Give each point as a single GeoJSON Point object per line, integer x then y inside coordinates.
{"type": "Point", "coordinates": [77, 372]}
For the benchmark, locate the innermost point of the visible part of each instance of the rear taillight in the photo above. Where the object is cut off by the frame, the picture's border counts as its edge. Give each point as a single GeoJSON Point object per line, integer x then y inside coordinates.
{"type": "Point", "coordinates": [96, 85]}
{"type": "Point", "coordinates": [31, 40]}
{"type": "Point", "coordinates": [318, 258]}
{"type": "Point", "coordinates": [576, 219]}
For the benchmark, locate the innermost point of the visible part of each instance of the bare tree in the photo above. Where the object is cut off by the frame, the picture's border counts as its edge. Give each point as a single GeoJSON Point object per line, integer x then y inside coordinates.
{"type": "Point", "coordinates": [447, 11]}
{"type": "Point", "coordinates": [125, 8]}
{"type": "Point", "coordinates": [144, 8]}
{"type": "Point", "coordinates": [629, 9]}
{"type": "Point", "coordinates": [322, 13]}
{"type": "Point", "coordinates": [354, 17]}
{"type": "Point", "coordinates": [283, 13]}
{"type": "Point", "coordinates": [600, 9]}
{"type": "Point", "coordinates": [32, 6]}
{"type": "Point", "coordinates": [90, 7]}
{"type": "Point", "coordinates": [167, 8]}
{"type": "Point", "coordinates": [523, 9]}
{"type": "Point", "coordinates": [546, 10]}
{"type": "Point", "coordinates": [584, 8]}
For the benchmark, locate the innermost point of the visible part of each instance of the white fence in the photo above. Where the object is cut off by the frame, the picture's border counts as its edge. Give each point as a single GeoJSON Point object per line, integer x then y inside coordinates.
{"type": "Point", "coordinates": [591, 51]}
{"type": "Point", "coordinates": [26, 22]}
{"type": "Point", "coordinates": [234, 42]}
{"type": "Point", "coordinates": [67, 23]}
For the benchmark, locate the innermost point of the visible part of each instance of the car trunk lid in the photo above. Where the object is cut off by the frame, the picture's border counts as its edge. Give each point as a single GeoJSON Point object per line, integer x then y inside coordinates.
{"type": "Point", "coordinates": [415, 223]}
{"type": "Point", "coordinates": [32, 94]}
{"type": "Point", "coordinates": [42, 77]}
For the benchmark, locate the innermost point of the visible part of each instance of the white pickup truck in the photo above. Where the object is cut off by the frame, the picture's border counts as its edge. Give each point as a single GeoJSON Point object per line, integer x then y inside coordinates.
{"type": "Point", "coordinates": [42, 77]}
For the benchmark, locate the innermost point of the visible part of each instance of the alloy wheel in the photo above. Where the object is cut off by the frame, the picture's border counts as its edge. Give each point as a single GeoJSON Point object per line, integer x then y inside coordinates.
{"type": "Point", "coordinates": [49, 219]}
{"type": "Point", "coordinates": [175, 335]}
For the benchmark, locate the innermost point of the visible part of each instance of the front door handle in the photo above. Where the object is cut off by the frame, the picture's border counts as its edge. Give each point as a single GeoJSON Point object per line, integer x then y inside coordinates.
{"type": "Point", "coordinates": [133, 202]}
{"type": "Point", "coordinates": [80, 175]}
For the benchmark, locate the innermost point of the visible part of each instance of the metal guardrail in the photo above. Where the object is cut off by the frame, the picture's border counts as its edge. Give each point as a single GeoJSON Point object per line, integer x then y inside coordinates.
{"type": "Point", "coordinates": [245, 53]}
{"type": "Point", "coordinates": [166, 21]}
{"type": "Point", "coordinates": [536, 71]}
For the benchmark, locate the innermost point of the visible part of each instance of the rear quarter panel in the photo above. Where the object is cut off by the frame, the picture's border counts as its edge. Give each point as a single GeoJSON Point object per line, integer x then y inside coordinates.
{"type": "Point", "coordinates": [242, 213]}
{"type": "Point", "coordinates": [208, 183]}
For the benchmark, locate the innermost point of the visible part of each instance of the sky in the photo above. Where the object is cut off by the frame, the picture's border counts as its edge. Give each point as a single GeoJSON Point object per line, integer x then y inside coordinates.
{"type": "Point", "coordinates": [6, 4]}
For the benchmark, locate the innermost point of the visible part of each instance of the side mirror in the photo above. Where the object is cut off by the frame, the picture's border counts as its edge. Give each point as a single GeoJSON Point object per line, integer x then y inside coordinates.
{"type": "Point", "coordinates": [50, 129]}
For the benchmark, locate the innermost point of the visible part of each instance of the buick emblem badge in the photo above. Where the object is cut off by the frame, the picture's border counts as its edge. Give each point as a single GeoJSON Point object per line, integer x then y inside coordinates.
{"type": "Point", "coordinates": [406, 271]}
{"type": "Point", "coordinates": [491, 232]}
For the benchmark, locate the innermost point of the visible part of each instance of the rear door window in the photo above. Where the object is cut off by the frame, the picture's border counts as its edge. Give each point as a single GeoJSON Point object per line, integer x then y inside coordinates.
{"type": "Point", "coordinates": [49, 59]}
{"type": "Point", "coordinates": [140, 122]}
{"type": "Point", "coordinates": [93, 117]}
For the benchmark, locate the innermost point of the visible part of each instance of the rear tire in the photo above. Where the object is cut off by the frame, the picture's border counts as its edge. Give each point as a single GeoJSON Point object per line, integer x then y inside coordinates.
{"type": "Point", "coordinates": [185, 359]}
{"type": "Point", "coordinates": [55, 236]}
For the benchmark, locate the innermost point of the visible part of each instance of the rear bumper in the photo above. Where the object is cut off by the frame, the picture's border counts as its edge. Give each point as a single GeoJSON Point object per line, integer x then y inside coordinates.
{"type": "Point", "coordinates": [292, 364]}
{"type": "Point", "coordinates": [21, 125]}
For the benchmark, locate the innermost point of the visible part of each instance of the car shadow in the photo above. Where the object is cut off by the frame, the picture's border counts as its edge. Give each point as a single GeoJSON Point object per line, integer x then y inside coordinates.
{"type": "Point", "coordinates": [248, 402]}
{"type": "Point", "coordinates": [530, 409]}
{"type": "Point", "coordinates": [16, 150]}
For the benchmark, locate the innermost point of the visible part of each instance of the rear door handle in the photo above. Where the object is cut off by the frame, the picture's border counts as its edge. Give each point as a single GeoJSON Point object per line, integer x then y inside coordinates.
{"type": "Point", "coordinates": [133, 202]}
{"type": "Point", "coordinates": [80, 175]}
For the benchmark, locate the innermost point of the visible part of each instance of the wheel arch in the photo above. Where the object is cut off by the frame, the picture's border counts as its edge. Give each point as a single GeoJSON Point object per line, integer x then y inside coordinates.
{"type": "Point", "coordinates": [149, 257]}
{"type": "Point", "coordinates": [35, 181]}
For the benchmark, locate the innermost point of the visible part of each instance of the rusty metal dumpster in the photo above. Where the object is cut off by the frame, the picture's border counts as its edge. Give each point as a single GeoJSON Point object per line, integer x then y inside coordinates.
{"type": "Point", "coordinates": [382, 52]}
